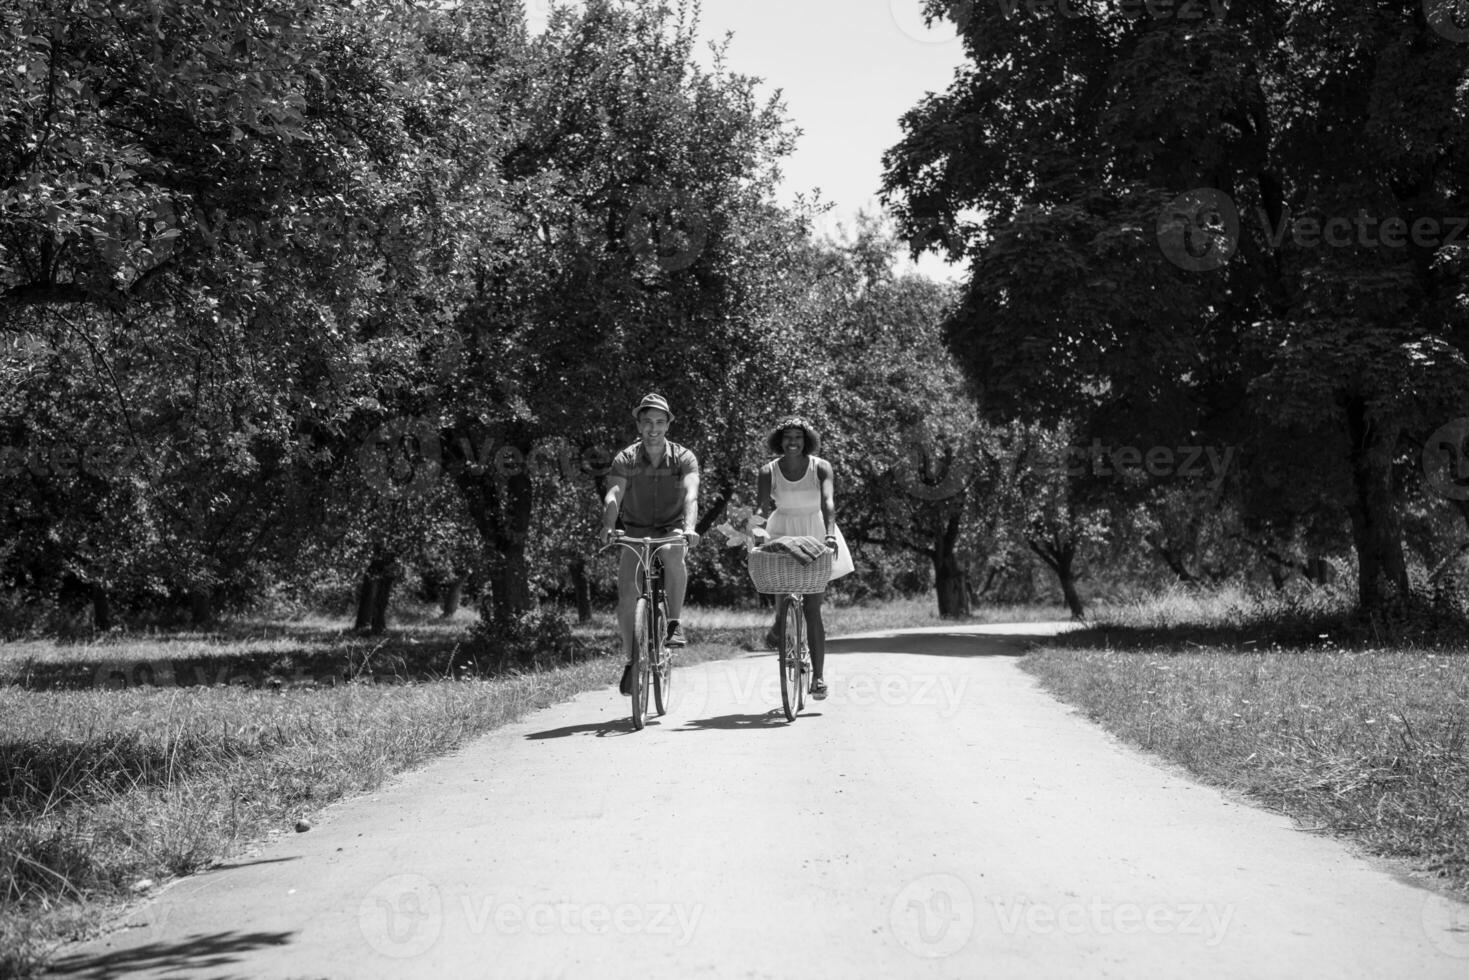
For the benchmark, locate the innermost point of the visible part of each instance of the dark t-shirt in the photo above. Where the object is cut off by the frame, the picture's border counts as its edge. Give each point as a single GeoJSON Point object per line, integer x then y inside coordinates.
{"type": "Point", "coordinates": [654, 496]}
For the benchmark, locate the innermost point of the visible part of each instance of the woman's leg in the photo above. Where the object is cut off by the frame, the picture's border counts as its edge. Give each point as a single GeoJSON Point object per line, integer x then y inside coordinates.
{"type": "Point", "coordinates": [816, 634]}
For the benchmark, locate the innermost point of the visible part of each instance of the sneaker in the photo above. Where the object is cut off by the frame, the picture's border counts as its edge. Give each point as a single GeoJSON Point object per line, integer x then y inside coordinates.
{"type": "Point", "coordinates": [818, 690]}
{"type": "Point", "coordinates": [675, 634]}
{"type": "Point", "coordinates": [626, 686]}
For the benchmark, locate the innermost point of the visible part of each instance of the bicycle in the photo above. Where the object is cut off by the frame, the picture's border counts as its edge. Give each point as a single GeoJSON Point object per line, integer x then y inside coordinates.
{"type": "Point", "coordinates": [652, 657]}
{"type": "Point", "coordinates": [782, 575]}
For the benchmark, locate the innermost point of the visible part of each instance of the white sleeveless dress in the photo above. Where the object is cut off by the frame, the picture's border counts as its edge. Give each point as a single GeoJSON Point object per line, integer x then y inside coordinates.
{"type": "Point", "coordinates": [798, 512]}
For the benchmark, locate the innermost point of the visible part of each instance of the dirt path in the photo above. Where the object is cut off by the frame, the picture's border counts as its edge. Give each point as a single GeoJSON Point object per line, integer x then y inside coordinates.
{"type": "Point", "coordinates": [938, 815]}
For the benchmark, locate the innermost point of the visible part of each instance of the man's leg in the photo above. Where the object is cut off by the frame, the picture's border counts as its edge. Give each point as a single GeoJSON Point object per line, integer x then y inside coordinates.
{"type": "Point", "coordinates": [675, 578]}
{"type": "Point", "coordinates": [627, 605]}
{"type": "Point", "coordinates": [675, 582]}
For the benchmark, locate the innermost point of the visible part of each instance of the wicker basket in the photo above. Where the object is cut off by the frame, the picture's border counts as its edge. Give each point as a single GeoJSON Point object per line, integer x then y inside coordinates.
{"type": "Point", "coordinates": [779, 573]}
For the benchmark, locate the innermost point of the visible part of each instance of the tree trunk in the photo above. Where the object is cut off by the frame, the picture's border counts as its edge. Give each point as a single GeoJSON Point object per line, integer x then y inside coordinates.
{"type": "Point", "coordinates": [582, 586]}
{"type": "Point", "coordinates": [450, 594]}
{"type": "Point", "coordinates": [1376, 527]}
{"type": "Point", "coordinates": [365, 602]}
{"type": "Point", "coordinates": [950, 580]}
{"type": "Point", "coordinates": [498, 493]}
{"type": "Point", "coordinates": [1068, 589]}
{"type": "Point", "coordinates": [101, 609]}
{"type": "Point", "coordinates": [1320, 571]}
{"type": "Point", "coordinates": [1171, 559]}
{"type": "Point", "coordinates": [1060, 556]}
{"type": "Point", "coordinates": [201, 606]}
{"type": "Point", "coordinates": [380, 598]}
{"type": "Point", "coordinates": [375, 591]}
{"type": "Point", "coordinates": [1278, 574]}
{"type": "Point", "coordinates": [952, 591]}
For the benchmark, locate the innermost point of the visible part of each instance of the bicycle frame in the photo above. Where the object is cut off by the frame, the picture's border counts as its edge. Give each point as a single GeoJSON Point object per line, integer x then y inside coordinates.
{"type": "Point", "coordinates": [794, 655]}
{"type": "Point", "coordinates": [652, 660]}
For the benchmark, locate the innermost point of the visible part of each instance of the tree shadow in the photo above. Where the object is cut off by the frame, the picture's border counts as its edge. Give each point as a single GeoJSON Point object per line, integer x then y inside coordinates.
{"type": "Point", "coordinates": [940, 644]}
{"type": "Point", "coordinates": [383, 660]}
{"type": "Point", "coordinates": [193, 956]}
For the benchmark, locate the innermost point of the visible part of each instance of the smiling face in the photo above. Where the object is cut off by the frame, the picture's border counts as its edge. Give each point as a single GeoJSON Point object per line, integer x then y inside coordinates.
{"type": "Point", "coordinates": [793, 441]}
{"type": "Point", "coordinates": [653, 427]}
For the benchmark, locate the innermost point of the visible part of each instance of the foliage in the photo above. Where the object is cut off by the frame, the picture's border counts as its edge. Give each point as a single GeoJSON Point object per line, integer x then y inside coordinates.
{"type": "Point", "coordinates": [541, 638]}
{"type": "Point", "coordinates": [1129, 193]}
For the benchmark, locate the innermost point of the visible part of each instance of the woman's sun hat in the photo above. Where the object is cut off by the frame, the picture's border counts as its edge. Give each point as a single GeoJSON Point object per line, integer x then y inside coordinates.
{"type": "Point", "coordinates": [813, 438]}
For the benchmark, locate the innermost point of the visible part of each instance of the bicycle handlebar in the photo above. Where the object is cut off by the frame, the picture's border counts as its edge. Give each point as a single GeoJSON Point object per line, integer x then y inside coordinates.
{"type": "Point", "coordinates": [657, 543]}
{"type": "Point", "coordinates": [670, 539]}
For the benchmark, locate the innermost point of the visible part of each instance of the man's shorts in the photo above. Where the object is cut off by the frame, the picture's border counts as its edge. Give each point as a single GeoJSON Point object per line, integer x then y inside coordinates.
{"type": "Point", "coordinates": [640, 531]}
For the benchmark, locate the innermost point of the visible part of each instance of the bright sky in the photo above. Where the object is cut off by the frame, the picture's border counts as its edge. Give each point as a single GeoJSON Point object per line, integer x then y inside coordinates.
{"type": "Point", "coordinates": [848, 70]}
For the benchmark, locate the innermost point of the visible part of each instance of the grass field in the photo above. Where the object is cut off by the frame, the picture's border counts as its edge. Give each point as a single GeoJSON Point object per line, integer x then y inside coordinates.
{"type": "Point", "coordinates": [1347, 734]}
{"type": "Point", "coordinates": [135, 758]}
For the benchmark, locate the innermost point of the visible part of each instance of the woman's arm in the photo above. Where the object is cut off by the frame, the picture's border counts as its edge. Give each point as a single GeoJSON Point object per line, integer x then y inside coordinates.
{"type": "Point", "coordinates": [762, 497]}
{"type": "Point", "coordinates": [763, 502]}
{"type": "Point", "coordinates": [828, 496]}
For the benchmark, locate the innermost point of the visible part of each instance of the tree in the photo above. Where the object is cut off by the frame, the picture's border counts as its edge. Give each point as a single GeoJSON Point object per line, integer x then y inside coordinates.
{"type": "Point", "coordinates": [647, 258]}
{"type": "Point", "coordinates": [224, 212]}
{"type": "Point", "coordinates": [901, 431]}
{"type": "Point", "coordinates": [1138, 261]}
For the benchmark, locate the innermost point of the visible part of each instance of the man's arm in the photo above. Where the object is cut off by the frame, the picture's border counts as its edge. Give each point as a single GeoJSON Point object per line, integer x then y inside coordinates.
{"type": "Point", "coordinates": [611, 504]}
{"type": "Point", "coordinates": [691, 507]}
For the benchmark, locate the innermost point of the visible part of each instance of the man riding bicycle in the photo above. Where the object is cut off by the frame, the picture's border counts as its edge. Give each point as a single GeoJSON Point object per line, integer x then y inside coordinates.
{"type": "Point", "coordinates": [653, 491]}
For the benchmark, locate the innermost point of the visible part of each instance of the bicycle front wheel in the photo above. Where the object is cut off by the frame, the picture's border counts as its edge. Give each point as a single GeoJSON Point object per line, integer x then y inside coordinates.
{"type": "Point", "coordinates": [663, 664]}
{"type": "Point", "coordinates": [639, 685]}
{"type": "Point", "coordinates": [791, 630]}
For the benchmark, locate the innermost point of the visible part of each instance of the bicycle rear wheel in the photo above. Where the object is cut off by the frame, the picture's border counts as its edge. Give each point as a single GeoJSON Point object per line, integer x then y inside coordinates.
{"type": "Point", "coordinates": [639, 683]}
{"type": "Point", "coordinates": [790, 659]}
{"type": "Point", "coordinates": [663, 665]}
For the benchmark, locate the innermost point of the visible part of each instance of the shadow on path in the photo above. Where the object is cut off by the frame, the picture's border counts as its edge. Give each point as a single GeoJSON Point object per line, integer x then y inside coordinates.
{"type": "Point", "coordinates": [937, 644]}
{"type": "Point", "coordinates": [774, 718]}
{"type": "Point", "coordinates": [231, 865]}
{"type": "Point", "coordinates": [601, 729]}
{"type": "Point", "coordinates": [199, 955]}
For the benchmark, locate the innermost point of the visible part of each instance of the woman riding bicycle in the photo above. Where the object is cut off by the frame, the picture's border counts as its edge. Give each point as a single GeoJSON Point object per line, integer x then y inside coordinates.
{"type": "Point", "coordinates": [798, 484]}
